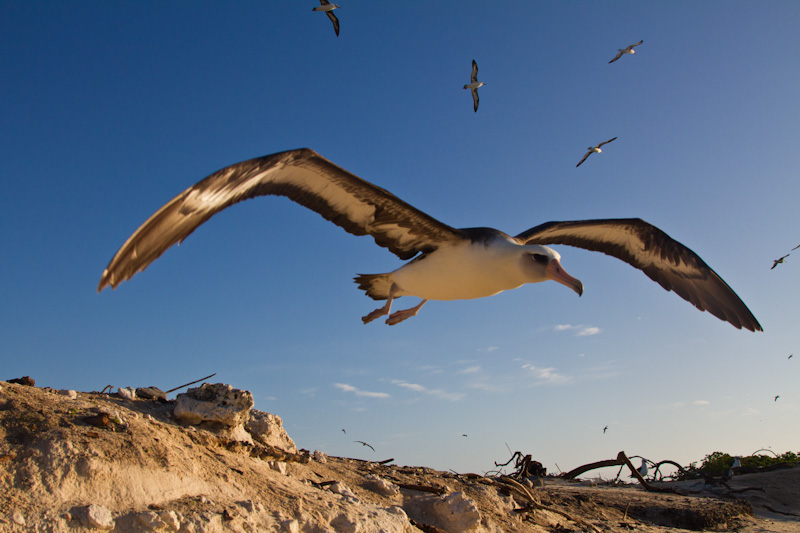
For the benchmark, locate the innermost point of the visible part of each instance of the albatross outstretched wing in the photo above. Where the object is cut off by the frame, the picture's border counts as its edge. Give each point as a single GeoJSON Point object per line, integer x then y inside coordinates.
{"type": "Point", "coordinates": [301, 175]}
{"type": "Point", "coordinates": [584, 158]}
{"type": "Point", "coordinates": [605, 142]}
{"type": "Point", "coordinates": [619, 54]}
{"type": "Point", "coordinates": [335, 21]}
{"type": "Point", "coordinates": [666, 261]}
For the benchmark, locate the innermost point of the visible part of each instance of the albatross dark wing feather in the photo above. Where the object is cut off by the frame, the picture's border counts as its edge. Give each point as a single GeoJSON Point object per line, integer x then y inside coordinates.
{"type": "Point", "coordinates": [303, 176]}
{"type": "Point", "coordinates": [666, 261]}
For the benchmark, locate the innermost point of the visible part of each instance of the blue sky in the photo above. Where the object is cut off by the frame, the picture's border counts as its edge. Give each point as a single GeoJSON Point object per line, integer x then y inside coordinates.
{"type": "Point", "coordinates": [109, 109]}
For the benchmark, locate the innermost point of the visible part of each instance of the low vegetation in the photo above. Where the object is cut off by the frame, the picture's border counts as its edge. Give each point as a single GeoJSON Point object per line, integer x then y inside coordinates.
{"type": "Point", "coordinates": [717, 464]}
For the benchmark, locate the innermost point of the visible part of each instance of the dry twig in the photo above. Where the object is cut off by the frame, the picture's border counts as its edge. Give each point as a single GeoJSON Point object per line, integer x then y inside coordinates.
{"type": "Point", "coordinates": [192, 383]}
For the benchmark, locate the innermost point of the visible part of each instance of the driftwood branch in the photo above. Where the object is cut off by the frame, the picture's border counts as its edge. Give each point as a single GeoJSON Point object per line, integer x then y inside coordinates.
{"type": "Point", "coordinates": [621, 459]}
{"type": "Point", "coordinates": [192, 383]}
{"type": "Point", "coordinates": [423, 488]}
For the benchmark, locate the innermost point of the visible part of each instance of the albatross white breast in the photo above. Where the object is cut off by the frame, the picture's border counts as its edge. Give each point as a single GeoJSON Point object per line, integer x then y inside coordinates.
{"type": "Point", "coordinates": [446, 263]}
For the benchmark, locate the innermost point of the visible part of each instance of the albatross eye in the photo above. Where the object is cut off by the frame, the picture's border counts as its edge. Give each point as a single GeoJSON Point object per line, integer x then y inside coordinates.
{"type": "Point", "coordinates": [540, 258]}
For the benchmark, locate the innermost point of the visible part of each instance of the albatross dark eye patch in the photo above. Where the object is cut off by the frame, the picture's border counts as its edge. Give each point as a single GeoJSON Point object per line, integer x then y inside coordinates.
{"type": "Point", "coordinates": [540, 258]}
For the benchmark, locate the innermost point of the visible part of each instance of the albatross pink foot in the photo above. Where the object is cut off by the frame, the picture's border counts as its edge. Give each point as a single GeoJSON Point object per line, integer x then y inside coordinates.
{"type": "Point", "coordinates": [399, 316]}
{"type": "Point", "coordinates": [381, 311]}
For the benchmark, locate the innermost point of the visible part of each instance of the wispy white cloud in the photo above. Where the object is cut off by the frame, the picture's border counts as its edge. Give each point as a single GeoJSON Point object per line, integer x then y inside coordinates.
{"type": "Point", "coordinates": [549, 375]}
{"type": "Point", "coordinates": [406, 385]}
{"type": "Point", "coordinates": [470, 370]}
{"type": "Point", "coordinates": [430, 369]}
{"type": "Point", "coordinates": [579, 329]}
{"type": "Point", "coordinates": [701, 402]}
{"type": "Point", "coordinates": [358, 392]}
{"type": "Point", "coordinates": [438, 393]}
{"type": "Point", "coordinates": [489, 387]}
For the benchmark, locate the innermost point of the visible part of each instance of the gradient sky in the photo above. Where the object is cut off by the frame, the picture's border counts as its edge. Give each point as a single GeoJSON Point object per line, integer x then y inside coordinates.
{"type": "Point", "coordinates": [109, 109]}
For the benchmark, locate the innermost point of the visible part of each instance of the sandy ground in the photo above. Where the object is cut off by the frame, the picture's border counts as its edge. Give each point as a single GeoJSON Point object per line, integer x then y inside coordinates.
{"type": "Point", "coordinates": [53, 465]}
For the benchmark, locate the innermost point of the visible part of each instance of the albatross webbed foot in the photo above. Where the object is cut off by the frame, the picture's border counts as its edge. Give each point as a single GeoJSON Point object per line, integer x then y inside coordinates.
{"type": "Point", "coordinates": [377, 313]}
{"type": "Point", "coordinates": [399, 316]}
{"type": "Point", "coordinates": [381, 311]}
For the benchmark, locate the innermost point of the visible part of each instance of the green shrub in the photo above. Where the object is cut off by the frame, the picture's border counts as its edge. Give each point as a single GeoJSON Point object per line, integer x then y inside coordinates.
{"type": "Point", "coordinates": [717, 463]}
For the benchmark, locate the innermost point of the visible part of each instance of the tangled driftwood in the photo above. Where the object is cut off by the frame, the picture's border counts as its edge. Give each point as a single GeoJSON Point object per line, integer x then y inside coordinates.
{"type": "Point", "coordinates": [622, 460]}
{"type": "Point", "coordinates": [524, 466]}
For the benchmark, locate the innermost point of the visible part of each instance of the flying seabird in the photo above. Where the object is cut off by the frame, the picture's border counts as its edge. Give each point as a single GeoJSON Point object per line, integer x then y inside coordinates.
{"type": "Point", "coordinates": [776, 262]}
{"type": "Point", "coordinates": [605, 429]}
{"type": "Point", "coordinates": [474, 84]}
{"type": "Point", "coordinates": [776, 398]}
{"type": "Point", "coordinates": [328, 8]}
{"type": "Point", "coordinates": [790, 356]}
{"type": "Point", "coordinates": [343, 431]}
{"type": "Point", "coordinates": [627, 50]}
{"type": "Point", "coordinates": [364, 444]}
{"type": "Point", "coordinates": [450, 263]}
{"type": "Point", "coordinates": [594, 150]}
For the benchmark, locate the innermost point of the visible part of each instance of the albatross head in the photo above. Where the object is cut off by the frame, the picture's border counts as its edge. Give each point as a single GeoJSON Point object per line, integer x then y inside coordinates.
{"type": "Point", "coordinates": [543, 263]}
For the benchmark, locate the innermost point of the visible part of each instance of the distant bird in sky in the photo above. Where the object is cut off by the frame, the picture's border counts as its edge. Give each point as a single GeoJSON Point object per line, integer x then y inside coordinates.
{"type": "Point", "coordinates": [343, 431]}
{"type": "Point", "coordinates": [776, 262]}
{"type": "Point", "coordinates": [776, 398]}
{"type": "Point", "coordinates": [627, 50]}
{"type": "Point", "coordinates": [450, 263]}
{"type": "Point", "coordinates": [328, 8]}
{"type": "Point", "coordinates": [594, 150]}
{"type": "Point", "coordinates": [474, 84]}
{"type": "Point", "coordinates": [790, 356]}
{"type": "Point", "coordinates": [604, 429]}
{"type": "Point", "coordinates": [361, 442]}
{"type": "Point", "coordinates": [463, 434]}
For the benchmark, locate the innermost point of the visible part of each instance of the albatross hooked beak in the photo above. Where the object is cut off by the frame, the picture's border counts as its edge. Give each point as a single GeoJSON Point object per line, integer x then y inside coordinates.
{"type": "Point", "coordinates": [558, 274]}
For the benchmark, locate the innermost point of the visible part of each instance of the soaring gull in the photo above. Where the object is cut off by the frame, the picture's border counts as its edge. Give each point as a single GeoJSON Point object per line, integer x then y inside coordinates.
{"type": "Point", "coordinates": [328, 8]}
{"type": "Point", "coordinates": [474, 84]}
{"type": "Point", "coordinates": [779, 261]}
{"type": "Point", "coordinates": [448, 263]}
{"type": "Point", "coordinates": [594, 150]}
{"type": "Point", "coordinates": [627, 50]}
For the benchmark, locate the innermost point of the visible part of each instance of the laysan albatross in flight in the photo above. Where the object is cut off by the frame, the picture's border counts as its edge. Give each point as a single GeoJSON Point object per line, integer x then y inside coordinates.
{"type": "Point", "coordinates": [327, 7]}
{"type": "Point", "coordinates": [448, 263]}
{"type": "Point", "coordinates": [594, 150]}
{"type": "Point", "coordinates": [473, 85]}
{"type": "Point", "coordinates": [627, 50]}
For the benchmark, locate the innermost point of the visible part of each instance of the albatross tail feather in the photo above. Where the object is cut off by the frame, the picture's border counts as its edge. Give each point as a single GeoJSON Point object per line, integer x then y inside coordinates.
{"type": "Point", "coordinates": [376, 286]}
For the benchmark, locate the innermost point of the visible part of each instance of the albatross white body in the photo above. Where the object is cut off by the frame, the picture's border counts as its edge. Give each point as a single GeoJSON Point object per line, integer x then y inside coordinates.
{"type": "Point", "coordinates": [464, 270]}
